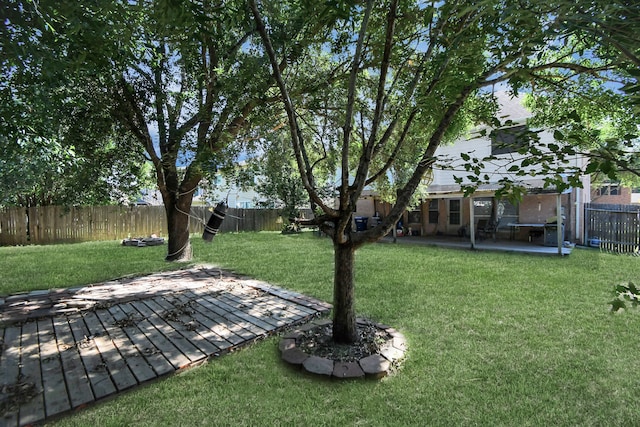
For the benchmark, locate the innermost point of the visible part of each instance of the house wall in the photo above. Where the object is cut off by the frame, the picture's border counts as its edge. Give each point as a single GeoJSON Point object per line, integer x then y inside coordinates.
{"type": "Point", "coordinates": [442, 226]}
{"type": "Point", "coordinates": [480, 147]}
{"type": "Point", "coordinates": [365, 206]}
{"type": "Point", "coordinates": [622, 198]}
{"type": "Point", "coordinates": [532, 209]}
{"type": "Point", "coordinates": [537, 208]}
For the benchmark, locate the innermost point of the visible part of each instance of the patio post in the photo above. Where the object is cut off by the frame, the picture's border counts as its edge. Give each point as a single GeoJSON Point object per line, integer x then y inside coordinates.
{"type": "Point", "coordinates": [472, 225]}
{"type": "Point", "coordinates": [559, 223]}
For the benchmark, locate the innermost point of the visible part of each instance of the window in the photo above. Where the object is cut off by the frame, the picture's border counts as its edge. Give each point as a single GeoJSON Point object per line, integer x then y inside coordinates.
{"type": "Point", "coordinates": [414, 217]}
{"type": "Point", "coordinates": [608, 190]}
{"type": "Point", "coordinates": [505, 211]}
{"type": "Point", "coordinates": [482, 207]}
{"type": "Point", "coordinates": [433, 211]}
{"type": "Point", "coordinates": [454, 212]}
{"type": "Point", "coordinates": [508, 140]}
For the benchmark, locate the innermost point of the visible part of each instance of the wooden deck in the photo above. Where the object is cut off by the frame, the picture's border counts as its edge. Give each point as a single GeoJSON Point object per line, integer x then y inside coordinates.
{"type": "Point", "coordinates": [64, 349]}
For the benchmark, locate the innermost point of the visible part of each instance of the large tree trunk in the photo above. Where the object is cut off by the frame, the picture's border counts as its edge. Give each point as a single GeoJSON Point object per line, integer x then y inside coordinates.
{"type": "Point", "coordinates": [344, 316]}
{"type": "Point", "coordinates": [177, 211]}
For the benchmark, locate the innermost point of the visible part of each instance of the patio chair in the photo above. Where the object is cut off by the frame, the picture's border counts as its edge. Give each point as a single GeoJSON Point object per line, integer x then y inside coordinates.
{"type": "Point", "coordinates": [486, 228]}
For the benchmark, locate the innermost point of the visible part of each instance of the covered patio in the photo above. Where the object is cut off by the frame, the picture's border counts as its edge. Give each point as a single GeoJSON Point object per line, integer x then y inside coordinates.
{"type": "Point", "coordinates": [482, 245]}
{"type": "Point", "coordinates": [543, 221]}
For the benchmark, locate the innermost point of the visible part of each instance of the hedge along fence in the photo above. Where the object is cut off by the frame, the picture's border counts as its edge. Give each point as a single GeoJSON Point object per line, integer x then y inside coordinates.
{"type": "Point", "coordinates": [55, 224]}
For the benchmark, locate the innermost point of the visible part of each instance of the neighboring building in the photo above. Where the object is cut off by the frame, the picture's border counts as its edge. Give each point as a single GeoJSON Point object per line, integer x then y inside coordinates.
{"type": "Point", "coordinates": [149, 197]}
{"type": "Point", "coordinates": [233, 196]}
{"type": "Point", "coordinates": [229, 193]}
{"type": "Point", "coordinates": [448, 212]}
{"type": "Point", "coordinates": [613, 193]}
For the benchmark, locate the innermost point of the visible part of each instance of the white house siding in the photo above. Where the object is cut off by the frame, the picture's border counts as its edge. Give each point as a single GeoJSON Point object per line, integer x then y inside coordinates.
{"type": "Point", "coordinates": [536, 207]}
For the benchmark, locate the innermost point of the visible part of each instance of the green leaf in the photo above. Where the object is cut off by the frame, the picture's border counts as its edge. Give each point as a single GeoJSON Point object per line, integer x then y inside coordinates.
{"type": "Point", "coordinates": [592, 167]}
{"type": "Point", "coordinates": [573, 115]}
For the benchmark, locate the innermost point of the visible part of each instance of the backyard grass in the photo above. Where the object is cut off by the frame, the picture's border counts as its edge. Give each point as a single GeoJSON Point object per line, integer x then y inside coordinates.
{"type": "Point", "coordinates": [496, 339]}
{"type": "Point", "coordinates": [28, 268]}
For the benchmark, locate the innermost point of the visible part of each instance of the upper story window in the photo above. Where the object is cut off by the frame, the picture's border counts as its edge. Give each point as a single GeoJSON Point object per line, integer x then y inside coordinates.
{"type": "Point", "coordinates": [508, 140]}
{"type": "Point", "coordinates": [608, 190]}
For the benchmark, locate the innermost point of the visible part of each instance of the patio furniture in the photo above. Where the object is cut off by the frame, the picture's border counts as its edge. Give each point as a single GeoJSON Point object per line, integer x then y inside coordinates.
{"type": "Point", "coordinates": [486, 228]}
{"type": "Point", "coordinates": [535, 229]}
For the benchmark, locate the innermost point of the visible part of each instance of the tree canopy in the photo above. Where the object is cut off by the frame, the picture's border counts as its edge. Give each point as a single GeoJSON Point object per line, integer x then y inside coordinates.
{"type": "Point", "coordinates": [420, 74]}
{"type": "Point", "coordinates": [183, 80]}
{"type": "Point", "coordinates": [369, 90]}
{"type": "Point", "coordinates": [60, 146]}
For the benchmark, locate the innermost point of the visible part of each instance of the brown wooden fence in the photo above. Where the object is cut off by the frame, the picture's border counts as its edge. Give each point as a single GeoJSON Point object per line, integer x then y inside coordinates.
{"type": "Point", "coordinates": [55, 224]}
{"type": "Point", "coordinates": [615, 228]}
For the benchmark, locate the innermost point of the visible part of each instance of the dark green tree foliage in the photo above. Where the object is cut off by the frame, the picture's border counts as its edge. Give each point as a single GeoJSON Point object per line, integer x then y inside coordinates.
{"type": "Point", "coordinates": [592, 114]}
{"type": "Point", "coordinates": [59, 143]}
{"type": "Point", "coordinates": [277, 178]}
{"type": "Point", "coordinates": [420, 74]}
{"type": "Point", "coordinates": [625, 294]}
{"type": "Point", "coordinates": [182, 78]}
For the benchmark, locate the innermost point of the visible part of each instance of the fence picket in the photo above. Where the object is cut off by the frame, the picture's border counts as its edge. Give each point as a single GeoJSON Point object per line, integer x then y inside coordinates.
{"type": "Point", "coordinates": [55, 224]}
{"type": "Point", "coordinates": [617, 227]}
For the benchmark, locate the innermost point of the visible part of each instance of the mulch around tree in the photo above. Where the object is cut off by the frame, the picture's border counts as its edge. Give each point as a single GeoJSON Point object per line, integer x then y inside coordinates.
{"type": "Point", "coordinates": [378, 351]}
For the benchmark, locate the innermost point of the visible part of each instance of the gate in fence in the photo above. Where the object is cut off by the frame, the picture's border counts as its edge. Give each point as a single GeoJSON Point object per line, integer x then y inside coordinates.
{"type": "Point", "coordinates": [614, 228]}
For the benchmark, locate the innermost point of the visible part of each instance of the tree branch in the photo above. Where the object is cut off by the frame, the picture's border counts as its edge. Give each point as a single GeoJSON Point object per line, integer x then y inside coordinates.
{"type": "Point", "coordinates": [296, 134]}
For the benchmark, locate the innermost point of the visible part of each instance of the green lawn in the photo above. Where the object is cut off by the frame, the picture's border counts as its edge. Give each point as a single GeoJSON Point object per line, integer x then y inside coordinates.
{"type": "Point", "coordinates": [494, 338]}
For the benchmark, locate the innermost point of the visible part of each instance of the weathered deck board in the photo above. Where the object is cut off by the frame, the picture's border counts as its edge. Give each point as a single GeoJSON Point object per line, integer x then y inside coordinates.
{"type": "Point", "coordinates": [133, 358]}
{"type": "Point", "coordinates": [274, 309]}
{"type": "Point", "coordinates": [101, 383]}
{"type": "Point", "coordinates": [10, 371]}
{"type": "Point", "coordinates": [218, 307]}
{"type": "Point", "coordinates": [181, 318]}
{"type": "Point", "coordinates": [152, 354]}
{"type": "Point", "coordinates": [208, 326]}
{"type": "Point", "coordinates": [114, 363]}
{"type": "Point", "coordinates": [33, 410]}
{"type": "Point", "coordinates": [251, 319]}
{"type": "Point", "coordinates": [146, 308]}
{"type": "Point", "coordinates": [221, 316]}
{"type": "Point", "coordinates": [76, 378]}
{"type": "Point", "coordinates": [160, 342]}
{"type": "Point", "coordinates": [56, 398]}
{"type": "Point", "coordinates": [70, 347]}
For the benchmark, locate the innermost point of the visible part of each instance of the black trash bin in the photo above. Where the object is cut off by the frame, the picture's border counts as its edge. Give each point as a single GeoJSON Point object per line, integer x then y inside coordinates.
{"type": "Point", "coordinates": [551, 234]}
{"type": "Point", "coordinates": [361, 223]}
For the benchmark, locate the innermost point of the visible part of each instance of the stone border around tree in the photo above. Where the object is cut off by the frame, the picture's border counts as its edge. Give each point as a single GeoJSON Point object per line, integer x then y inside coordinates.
{"type": "Point", "coordinates": [375, 366]}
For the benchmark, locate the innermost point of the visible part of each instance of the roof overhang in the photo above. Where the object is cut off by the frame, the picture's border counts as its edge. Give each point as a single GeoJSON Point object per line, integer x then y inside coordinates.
{"type": "Point", "coordinates": [536, 186]}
